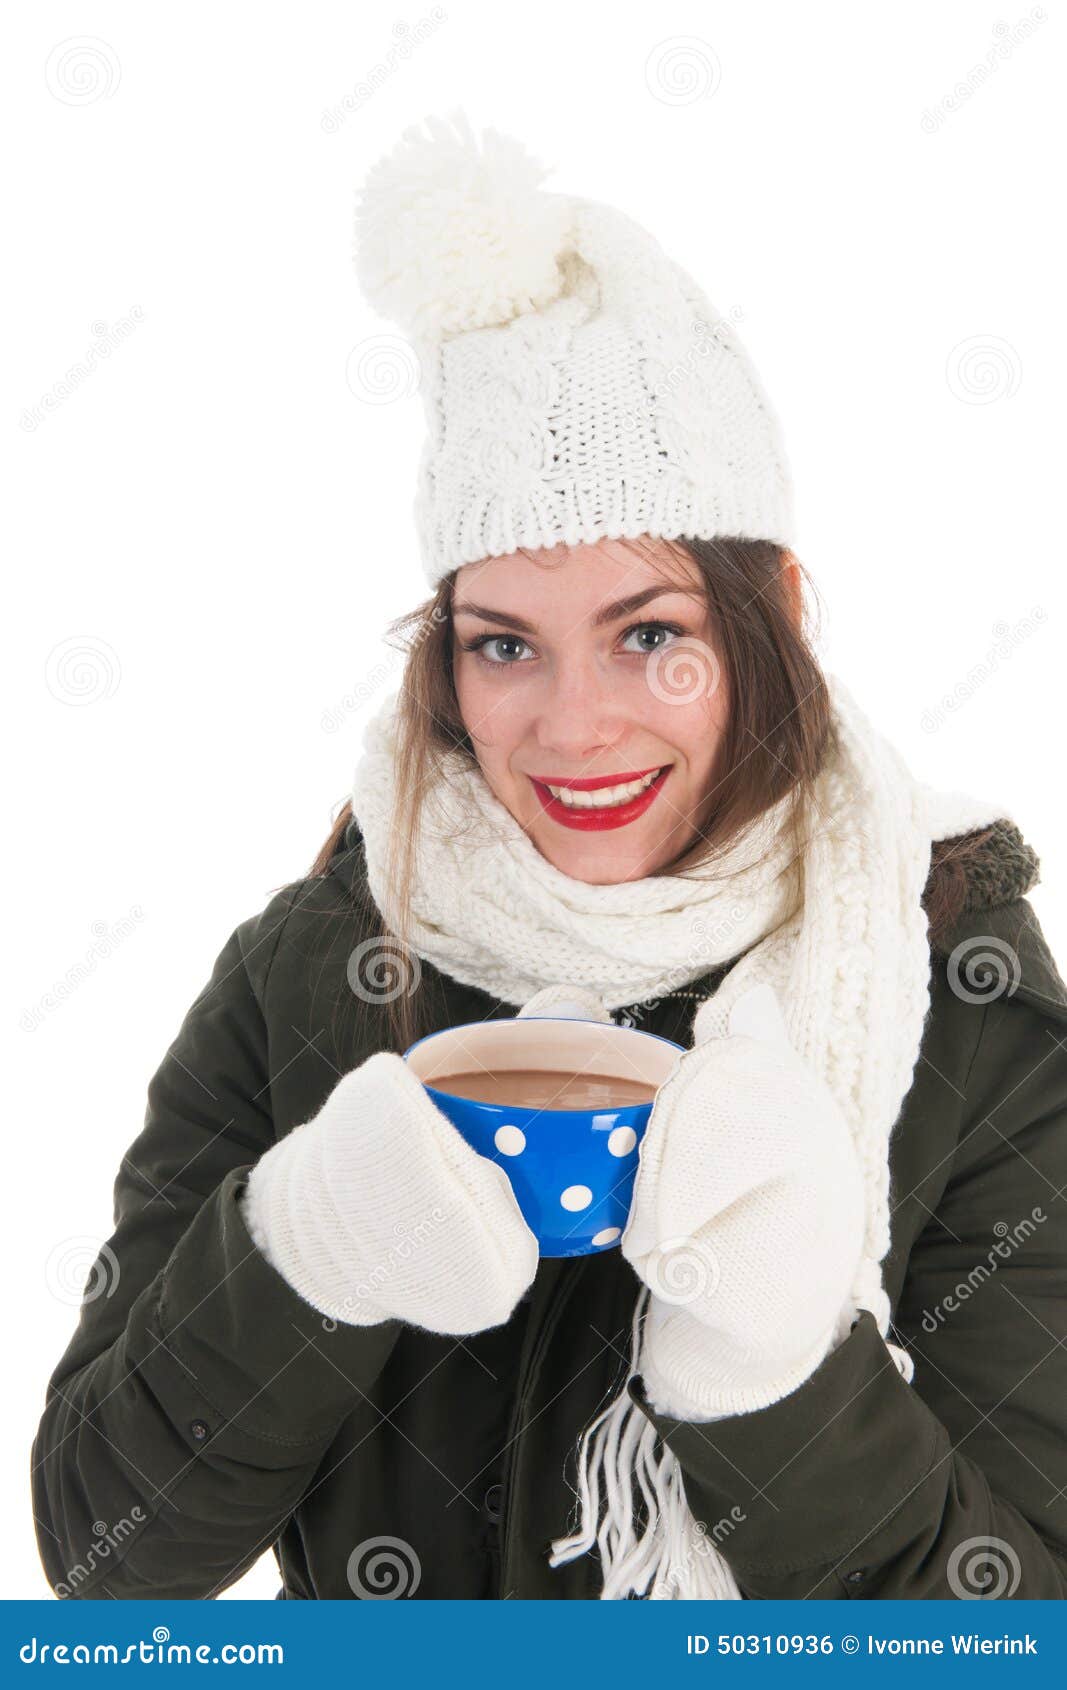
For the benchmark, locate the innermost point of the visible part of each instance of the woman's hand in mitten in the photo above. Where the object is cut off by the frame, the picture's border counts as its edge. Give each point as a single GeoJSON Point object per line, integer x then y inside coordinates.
{"type": "Point", "coordinates": [747, 1221]}
{"type": "Point", "coordinates": [378, 1208]}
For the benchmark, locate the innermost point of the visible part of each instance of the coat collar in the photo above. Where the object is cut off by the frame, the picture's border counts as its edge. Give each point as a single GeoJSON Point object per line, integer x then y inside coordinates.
{"type": "Point", "coordinates": [1002, 868]}
{"type": "Point", "coordinates": [996, 948]}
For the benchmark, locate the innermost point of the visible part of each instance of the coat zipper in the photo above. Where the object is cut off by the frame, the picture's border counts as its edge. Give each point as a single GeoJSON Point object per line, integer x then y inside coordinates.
{"type": "Point", "coordinates": [548, 1326]}
{"type": "Point", "coordinates": [534, 1356]}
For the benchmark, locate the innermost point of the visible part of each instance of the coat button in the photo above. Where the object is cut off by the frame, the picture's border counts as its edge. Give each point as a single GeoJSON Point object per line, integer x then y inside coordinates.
{"type": "Point", "coordinates": [856, 1577]}
{"type": "Point", "coordinates": [492, 1500]}
{"type": "Point", "coordinates": [199, 1430]}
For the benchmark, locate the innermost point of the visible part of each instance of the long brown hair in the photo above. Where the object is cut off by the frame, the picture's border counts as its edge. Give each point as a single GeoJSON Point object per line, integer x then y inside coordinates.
{"type": "Point", "coordinates": [776, 735]}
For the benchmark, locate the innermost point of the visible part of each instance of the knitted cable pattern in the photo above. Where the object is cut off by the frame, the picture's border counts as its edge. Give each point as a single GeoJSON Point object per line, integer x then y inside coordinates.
{"type": "Point", "coordinates": [576, 380]}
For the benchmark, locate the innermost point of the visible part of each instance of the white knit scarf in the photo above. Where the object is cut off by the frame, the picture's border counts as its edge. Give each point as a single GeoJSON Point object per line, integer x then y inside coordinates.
{"type": "Point", "coordinates": [850, 966]}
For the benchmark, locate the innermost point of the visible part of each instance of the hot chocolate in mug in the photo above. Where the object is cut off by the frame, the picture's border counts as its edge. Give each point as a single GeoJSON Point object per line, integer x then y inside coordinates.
{"type": "Point", "coordinates": [570, 1147]}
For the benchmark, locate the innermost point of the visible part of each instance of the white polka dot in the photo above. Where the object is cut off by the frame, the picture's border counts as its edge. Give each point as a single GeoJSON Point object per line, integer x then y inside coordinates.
{"type": "Point", "coordinates": [576, 1197]}
{"type": "Point", "coordinates": [607, 1235]}
{"type": "Point", "coordinates": [510, 1141]}
{"type": "Point", "coordinates": [622, 1141]}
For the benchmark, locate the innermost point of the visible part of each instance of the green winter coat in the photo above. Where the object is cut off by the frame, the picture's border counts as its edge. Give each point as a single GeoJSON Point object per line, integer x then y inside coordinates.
{"type": "Point", "coordinates": [207, 1405]}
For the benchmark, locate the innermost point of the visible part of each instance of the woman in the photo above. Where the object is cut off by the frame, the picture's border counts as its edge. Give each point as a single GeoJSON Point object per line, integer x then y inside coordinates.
{"type": "Point", "coordinates": [330, 1331]}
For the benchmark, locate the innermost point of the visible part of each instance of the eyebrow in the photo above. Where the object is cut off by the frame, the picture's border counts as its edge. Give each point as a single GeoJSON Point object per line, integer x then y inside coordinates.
{"type": "Point", "coordinates": [607, 612]}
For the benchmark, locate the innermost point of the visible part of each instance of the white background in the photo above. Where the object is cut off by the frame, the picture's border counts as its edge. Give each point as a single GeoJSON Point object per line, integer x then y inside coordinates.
{"type": "Point", "coordinates": [212, 529]}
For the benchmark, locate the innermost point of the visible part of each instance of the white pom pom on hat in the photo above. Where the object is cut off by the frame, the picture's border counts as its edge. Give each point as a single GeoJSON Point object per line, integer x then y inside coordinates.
{"type": "Point", "coordinates": [454, 235]}
{"type": "Point", "coordinates": [577, 383]}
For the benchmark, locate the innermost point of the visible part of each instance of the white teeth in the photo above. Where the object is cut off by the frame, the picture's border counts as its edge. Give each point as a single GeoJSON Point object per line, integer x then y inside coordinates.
{"type": "Point", "coordinates": [603, 796]}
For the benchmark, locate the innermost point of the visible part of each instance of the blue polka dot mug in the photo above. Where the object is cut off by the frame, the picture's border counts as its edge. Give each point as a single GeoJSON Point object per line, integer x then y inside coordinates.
{"type": "Point", "coordinates": [572, 1170]}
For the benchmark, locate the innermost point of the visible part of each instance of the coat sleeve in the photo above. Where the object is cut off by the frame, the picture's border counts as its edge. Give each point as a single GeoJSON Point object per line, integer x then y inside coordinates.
{"type": "Point", "coordinates": [199, 1393]}
{"type": "Point", "coordinates": [860, 1484]}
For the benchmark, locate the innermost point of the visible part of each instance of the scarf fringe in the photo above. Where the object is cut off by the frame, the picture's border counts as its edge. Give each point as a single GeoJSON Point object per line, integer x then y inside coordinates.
{"type": "Point", "coordinates": [671, 1557]}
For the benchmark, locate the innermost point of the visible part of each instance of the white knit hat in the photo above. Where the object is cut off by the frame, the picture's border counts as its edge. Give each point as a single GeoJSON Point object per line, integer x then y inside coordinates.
{"type": "Point", "coordinates": [578, 385]}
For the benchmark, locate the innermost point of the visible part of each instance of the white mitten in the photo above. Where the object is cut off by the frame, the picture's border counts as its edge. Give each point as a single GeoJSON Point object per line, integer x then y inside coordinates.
{"type": "Point", "coordinates": [747, 1221]}
{"type": "Point", "coordinates": [379, 1209]}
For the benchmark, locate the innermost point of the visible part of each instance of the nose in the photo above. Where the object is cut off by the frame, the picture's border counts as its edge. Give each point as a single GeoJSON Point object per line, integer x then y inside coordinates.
{"type": "Point", "coordinates": [580, 717]}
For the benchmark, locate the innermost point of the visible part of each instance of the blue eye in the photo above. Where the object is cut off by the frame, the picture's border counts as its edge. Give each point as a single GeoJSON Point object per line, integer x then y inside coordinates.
{"type": "Point", "coordinates": [493, 639]}
{"type": "Point", "coordinates": [482, 642]}
{"type": "Point", "coordinates": [657, 627]}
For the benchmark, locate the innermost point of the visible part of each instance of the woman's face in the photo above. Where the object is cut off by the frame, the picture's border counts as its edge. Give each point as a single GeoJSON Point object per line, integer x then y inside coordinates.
{"type": "Point", "coordinates": [565, 680]}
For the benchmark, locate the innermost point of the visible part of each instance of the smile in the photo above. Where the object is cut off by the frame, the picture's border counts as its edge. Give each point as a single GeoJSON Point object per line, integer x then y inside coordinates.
{"type": "Point", "coordinates": [607, 801]}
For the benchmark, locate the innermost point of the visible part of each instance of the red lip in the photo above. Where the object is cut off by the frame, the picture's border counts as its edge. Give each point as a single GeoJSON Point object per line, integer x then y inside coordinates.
{"type": "Point", "coordinates": [590, 820]}
{"type": "Point", "coordinates": [593, 782]}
